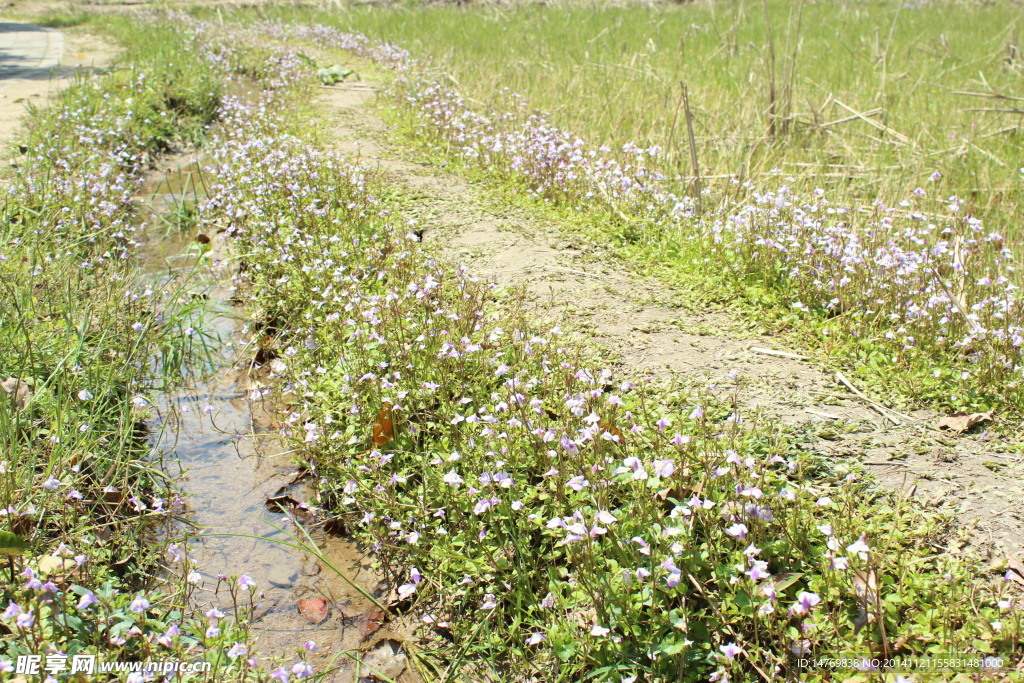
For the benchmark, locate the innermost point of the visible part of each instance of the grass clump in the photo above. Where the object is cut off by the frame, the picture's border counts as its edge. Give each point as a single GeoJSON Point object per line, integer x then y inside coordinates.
{"type": "Point", "coordinates": [85, 340]}
{"type": "Point", "coordinates": [540, 517]}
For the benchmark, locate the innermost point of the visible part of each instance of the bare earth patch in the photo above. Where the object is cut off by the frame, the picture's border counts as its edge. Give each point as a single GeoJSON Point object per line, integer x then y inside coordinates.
{"type": "Point", "coordinates": [72, 54]}
{"type": "Point", "coordinates": [974, 474]}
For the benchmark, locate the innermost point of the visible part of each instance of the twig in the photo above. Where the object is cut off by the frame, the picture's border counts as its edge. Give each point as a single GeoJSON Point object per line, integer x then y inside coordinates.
{"type": "Point", "coordinates": [820, 413]}
{"type": "Point", "coordinates": [697, 184]}
{"type": "Point", "coordinates": [990, 95]}
{"type": "Point", "coordinates": [780, 354]}
{"type": "Point", "coordinates": [884, 411]}
{"type": "Point", "coordinates": [845, 119]}
{"type": "Point", "coordinates": [896, 134]}
{"type": "Point", "coordinates": [996, 111]}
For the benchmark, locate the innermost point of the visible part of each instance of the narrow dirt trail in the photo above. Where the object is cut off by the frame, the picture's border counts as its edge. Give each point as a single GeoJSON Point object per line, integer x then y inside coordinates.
{"type": "Point", "coordinates": [632, 318]}
{"type": "Point", "coordinates": [37, 63]}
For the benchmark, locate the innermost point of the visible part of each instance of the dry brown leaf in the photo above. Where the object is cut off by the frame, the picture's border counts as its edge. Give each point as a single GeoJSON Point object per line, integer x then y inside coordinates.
{"type": "Point", "coordinates": [371, 622]}
{"type": "Point", "coordinates": [314, 609]}
{"type": "Point", "coordinates": [606, 426]}
{"type": "Point", "coordinates": [865, 584]}
{"type": "Point", "coordinates": [384, 427]}
{"type": "Point", "coordinates": [964, 422]}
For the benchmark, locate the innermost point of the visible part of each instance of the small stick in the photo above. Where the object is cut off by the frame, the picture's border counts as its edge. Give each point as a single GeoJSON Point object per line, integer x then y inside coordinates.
{"type": "Point", "coordinates": [875, 404]}
{"type": "Point", "coordinates": [886, 129]}
{"type": "Point", "coordinates": [781, 354]}
{"type": "Point", "coordinates": [697, 184]}
{"type": "Point", "coordinates": [820, 413]}
{"type": "Point", "coordinates": [845, 119]}
{"type": "Point", "coordinates": [992, 95]}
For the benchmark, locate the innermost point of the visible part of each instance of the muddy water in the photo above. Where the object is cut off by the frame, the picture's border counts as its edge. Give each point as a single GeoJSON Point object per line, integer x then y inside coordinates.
{"type": "Point", "coordinates": [215, 434]}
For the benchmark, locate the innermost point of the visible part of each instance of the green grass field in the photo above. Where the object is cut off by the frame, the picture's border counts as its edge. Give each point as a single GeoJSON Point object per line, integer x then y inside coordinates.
{"type": "Point", "coordinates": [864, 99]}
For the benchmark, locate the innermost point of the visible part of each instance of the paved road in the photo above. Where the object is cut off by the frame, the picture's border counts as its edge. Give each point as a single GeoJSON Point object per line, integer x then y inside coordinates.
{"type": "Point", "coordinates": [27, 50]}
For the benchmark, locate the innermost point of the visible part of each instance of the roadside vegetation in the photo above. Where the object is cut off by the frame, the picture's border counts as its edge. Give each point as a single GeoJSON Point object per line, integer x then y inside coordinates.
{"type": "Point", "coordinates": [540, 517]}
{"type": "Point", "coordinates": [86, 339]}
{"type": "Point", "coordinates": [853, 172]}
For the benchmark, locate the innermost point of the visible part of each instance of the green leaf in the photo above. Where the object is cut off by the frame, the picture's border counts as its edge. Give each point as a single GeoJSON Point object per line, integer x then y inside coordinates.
{"type": "Point", "coordinates": [12, 544]}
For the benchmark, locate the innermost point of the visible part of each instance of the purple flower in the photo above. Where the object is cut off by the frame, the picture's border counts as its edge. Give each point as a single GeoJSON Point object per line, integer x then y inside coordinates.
{"type": "Point", "coordinates": [737, 530]}
{"type": "Point", "coordinates": [302, 670]}
{"type": "Point", "coordinates": [730, 650]}
{"type": "Point", "coordinates": [859, 547]}
{"type": "Point", "coordinates": [758, 571]}
{"type": "Point", "coordinates": [87, 600]}
{"type": "Point", "coordinates": [12, 611]}
{"type": "Point", "coordinates": [805, 602]}
{"type": "Point", "coordinates": [139, 604]}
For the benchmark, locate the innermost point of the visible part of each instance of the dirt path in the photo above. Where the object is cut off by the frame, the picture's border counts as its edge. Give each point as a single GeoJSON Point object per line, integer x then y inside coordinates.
{"type": "Point", "coordinates": [35, 64]}
{"type": "Point", "coordinates": [633, 318]}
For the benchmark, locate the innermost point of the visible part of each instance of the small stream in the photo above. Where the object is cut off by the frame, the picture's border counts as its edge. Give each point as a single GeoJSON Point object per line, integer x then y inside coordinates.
{"type": "Point", "coordinates": [217, 442]}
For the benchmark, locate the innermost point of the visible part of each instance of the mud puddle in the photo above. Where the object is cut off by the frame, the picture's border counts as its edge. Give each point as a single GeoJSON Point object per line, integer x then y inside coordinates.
{"type": "Point", "coordinates": [241, 490]}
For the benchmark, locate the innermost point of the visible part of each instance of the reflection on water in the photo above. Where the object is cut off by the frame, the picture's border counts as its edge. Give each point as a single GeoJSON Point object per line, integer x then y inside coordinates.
{"type": "Point", "coordinates": [227, 470]}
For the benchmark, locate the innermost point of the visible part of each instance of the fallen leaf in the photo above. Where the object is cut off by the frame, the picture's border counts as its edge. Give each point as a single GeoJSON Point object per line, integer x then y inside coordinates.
{"type": "Point", "coordinates": [12, 544]}
{"type": "Point", "coordinates": [963, 422]}
{"type": "Point", "coordinates": [281, 502]}
{"type": "Point", "coordinates": [611, 429]}
{"type": "Point", "coordinates": [384, 427]}
{"type": "Point", "coordinates": [371, 622]}
{"type": "Point", "coordinates": [314, 609]}
{"type": "Point", "coordinates": [865, 584]}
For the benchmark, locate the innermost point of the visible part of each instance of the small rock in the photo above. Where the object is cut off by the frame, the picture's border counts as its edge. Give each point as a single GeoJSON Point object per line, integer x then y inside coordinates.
{"type": "Point", "coordinates": [18, 391]}
{"type": "Point", "coordinates": [387, 659]}
{"type": "Point", "coordinates": [281, 577]}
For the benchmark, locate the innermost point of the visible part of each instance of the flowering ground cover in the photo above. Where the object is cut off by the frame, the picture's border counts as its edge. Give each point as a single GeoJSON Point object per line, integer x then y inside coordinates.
{"type": "Point", "coordinates": [901, 262]}
{"type": "Point", "coordinates": [539, 517]}
{"type": "Point", "coordinates": [536, 513]}
{"type": "Point", "coordinates": [86, 341]}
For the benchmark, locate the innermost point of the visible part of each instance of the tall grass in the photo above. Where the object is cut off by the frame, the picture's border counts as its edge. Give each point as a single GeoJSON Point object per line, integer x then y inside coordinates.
{"type": "Point", "coordinates": [767, 89]}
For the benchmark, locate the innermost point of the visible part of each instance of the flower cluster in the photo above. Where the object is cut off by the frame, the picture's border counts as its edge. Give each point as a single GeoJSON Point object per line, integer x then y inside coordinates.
{"type": "Point", "coordinates": [502, 478]}
{"type": "Point", "coordinates": [922, 278]}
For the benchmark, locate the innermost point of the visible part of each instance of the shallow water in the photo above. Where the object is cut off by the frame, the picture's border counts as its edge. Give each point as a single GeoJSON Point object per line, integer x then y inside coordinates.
{"type": "Point", "coordinates": [214, 437]}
